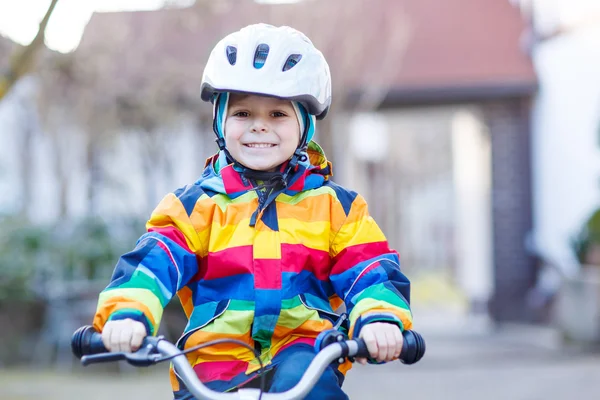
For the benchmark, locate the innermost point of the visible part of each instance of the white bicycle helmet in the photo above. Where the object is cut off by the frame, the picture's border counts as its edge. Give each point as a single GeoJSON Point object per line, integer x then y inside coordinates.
{"type": "Point", "coordinates": [273, 61]}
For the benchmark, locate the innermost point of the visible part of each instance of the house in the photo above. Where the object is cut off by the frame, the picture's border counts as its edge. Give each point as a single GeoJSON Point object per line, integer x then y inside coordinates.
{"type": "Point", "coordinates": [445, 86]}
{"type": "Point", "coordinates": [566, 123]}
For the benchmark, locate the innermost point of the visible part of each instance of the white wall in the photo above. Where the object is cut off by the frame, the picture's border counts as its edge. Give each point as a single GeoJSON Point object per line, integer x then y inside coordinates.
{"type": "Point", "coordinates": [566, 139]}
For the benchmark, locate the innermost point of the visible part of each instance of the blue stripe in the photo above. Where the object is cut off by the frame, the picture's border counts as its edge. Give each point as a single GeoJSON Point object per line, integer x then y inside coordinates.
{"type": "Point", "coordinates": [294, 284]}
{"type": "Point", "coordinates": [157, 259]}
{"type": "Point", "coordinates": [202, 314]}
{"type": "Point", "coordinates": [377, 275]}
{"type": "Point", "coordinates": [345, 196]}
{"type": "Point", "coordinates": [128, 263]}
{"type": "Point", "coordinates": [238, 287]}
{"type": "Point", "coordinates": [268, 302]}
{"type": "Point", "coordinates": [189, 195]}
{"type": "Point", "coordinates": [222, 99]}
{"type": "Point", "coordinates": [266, 313]}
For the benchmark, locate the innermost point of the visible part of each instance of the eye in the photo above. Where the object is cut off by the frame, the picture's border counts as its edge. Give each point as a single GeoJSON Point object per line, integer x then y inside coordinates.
{"type": "Point", "coordinates": [242, 114]}
{"type": "Point", "coordinates": [279, 114]}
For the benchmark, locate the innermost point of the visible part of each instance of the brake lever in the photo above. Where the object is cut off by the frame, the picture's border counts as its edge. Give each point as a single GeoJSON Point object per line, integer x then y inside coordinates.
{"type": "Point", "coordinates": [102, 357]}
{"type": "Point", "coordinates": [145, 356]}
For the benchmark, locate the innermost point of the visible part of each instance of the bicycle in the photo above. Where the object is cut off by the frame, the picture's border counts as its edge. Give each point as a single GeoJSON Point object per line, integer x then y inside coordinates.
{"type": "Point", "coordinates": [332, 346]}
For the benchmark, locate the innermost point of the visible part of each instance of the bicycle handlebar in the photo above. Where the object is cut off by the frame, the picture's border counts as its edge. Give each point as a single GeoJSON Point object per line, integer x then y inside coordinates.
{"type": "Point", "coordinates": [87, 345]}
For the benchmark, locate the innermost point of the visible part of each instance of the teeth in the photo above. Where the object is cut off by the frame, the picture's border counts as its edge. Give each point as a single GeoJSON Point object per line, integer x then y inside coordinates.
{"type": "Point", "coordinates": [260, 145]}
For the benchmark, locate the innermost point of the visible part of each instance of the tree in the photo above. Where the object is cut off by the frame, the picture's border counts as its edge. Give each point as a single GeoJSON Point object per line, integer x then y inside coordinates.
{"type": "Point", "coordinates": [23, 60]}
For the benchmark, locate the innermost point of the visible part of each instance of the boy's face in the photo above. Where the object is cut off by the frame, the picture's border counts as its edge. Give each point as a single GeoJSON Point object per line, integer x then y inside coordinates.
{"type": "Point", "coordinates": [261, 132]}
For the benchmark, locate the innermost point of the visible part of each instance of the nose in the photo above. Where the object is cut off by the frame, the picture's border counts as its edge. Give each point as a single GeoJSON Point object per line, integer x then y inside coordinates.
{"type": "Point", "coordinates": [259, 126]}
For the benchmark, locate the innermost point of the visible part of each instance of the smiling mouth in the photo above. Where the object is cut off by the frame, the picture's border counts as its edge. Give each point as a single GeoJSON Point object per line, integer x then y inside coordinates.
{"type": "Point", "coordinates": [260, 145]}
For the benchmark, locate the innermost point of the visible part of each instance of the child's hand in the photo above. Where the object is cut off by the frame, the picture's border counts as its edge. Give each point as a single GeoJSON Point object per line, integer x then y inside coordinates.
{"type": "Point", "coordinates": [123, 335]}
{"type": "Point", "coordinates": [384, 341]}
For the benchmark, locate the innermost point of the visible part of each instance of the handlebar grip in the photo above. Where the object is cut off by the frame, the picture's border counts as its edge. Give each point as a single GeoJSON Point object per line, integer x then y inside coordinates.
{"type": "Point", "coordinates": [413, 348]}
{"type": "Point", "coordinates": [86, 341]}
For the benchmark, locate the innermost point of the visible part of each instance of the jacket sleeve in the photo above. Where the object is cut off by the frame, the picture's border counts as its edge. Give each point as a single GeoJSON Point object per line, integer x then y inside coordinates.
{"type": "Point", "coordinates": [163, 261]}
{"type": "Point", "coordinates": [366, 272]}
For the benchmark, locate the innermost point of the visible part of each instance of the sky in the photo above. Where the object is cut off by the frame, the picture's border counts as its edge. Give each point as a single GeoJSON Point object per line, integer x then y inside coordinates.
{"type": "Point", "coordinates": [19, 19]}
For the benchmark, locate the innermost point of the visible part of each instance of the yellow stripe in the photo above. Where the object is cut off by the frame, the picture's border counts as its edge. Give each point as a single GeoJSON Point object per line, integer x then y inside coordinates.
{"type": "Point", "coordinates": [229, 236]}
{"type": "Point", "coordinates": [360, 232]}
{"type": "Point", "coordinates": [267, 245]}
{"type": "Point", "coordinates": [171, 212]}
{"type": "Point", "coordinates": [315, 235]}
{"type": "Point", "coordinates": [143, 296]}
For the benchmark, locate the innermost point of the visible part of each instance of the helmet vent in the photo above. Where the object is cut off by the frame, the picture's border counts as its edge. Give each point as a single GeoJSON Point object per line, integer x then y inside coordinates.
{"type": "Point", "coordinates": [231, 54]}
{"type": "Point", "coordinates": [291, 61]}
{"type": "Point", "coordinates": [260, 56]}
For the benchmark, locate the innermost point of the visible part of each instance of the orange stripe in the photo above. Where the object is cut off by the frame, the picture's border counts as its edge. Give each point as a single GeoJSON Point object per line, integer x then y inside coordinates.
{"type": "Point", "coordinates": [173, 379]}
{"type": "Point", "coordinates": [119, 303]}
{"type": "Point", "coordinates": [185, 298]}
{"type": "Point", "coordinates": [219, 352]}
{"type": "Point", "coordinates": [403, 315]}
{"type": "Point", "coordinates": [310, 328]}
{"type": "Point", "coordinates": [206, 212]}
{"type": "Point", "coordinates": [313, 208]}
{"type": "Point", "coordinates": [358, 211]}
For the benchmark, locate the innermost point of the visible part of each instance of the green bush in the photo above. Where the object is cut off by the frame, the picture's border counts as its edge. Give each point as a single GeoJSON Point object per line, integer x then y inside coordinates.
{"type": "Point", "coordinates": [588, 238]}
{"type": "Point", "coordinates": [82, 249]}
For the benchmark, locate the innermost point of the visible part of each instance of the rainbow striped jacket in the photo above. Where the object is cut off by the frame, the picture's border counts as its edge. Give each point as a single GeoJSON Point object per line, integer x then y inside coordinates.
{"type": "Point", "coordinates": [267, 270]}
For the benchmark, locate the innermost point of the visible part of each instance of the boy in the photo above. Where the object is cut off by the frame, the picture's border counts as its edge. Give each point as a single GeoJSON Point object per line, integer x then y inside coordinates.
{"type": "Point", "coordinates": [264, 246]}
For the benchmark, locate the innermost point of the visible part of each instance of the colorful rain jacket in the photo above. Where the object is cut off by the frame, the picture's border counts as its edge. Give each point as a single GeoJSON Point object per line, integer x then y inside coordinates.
{"type": "Point", "coordinates": [267, 269]}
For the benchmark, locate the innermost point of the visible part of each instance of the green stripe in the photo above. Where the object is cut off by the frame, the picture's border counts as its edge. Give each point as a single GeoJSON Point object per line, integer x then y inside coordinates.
{"type": "Point", "coordinates": [376, 296]}
{"type": "Point", "coordinates": [240, 305]}
{"type": "Point", "coordinates": [294, 317]}
{"type": "Point", "coordinates": [140, 280]}
{"type": "Point", "coordinates": [287, 199]}
{"type": "Point", "coordinates": [380, 292]}
{"type": "Point", "coordinates": [370, 304]}
{"type": "Point", "coordinates": [290, 303]}
{"type": "Point", "coordinates": [231, 322]}
{"type": "Point", "coordinates": [223, 201]}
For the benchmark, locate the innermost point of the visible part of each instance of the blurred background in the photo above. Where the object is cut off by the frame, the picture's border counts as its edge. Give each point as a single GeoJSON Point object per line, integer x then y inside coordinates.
{"type": "Point", "coordinates": [472, 127]}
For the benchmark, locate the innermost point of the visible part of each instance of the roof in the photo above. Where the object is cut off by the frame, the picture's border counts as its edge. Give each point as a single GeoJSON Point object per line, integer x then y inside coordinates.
{"type": "Point", "coordinates": [419, 49]}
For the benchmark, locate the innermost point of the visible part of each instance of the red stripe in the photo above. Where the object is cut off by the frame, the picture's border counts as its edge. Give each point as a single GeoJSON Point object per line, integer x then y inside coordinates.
{"type": "Point", "coordinates": [239, 260]}
{"type": "Point", "coordinates": [297, 258]}
{"type": "Point", "coordinates": [219, 370]}
{"type": "Point", "coordinates": [352, 255]}
{"type": "Point", "coordinates": [233, 181]}
{"type": "Point", "coordinates": [267, 273]}
{"type": "Point", "coordinates": [229, 262]}
{"type": "Point", "coordinates": [298, 185]}
{"type": "Point", "coordinates": [172, 233]}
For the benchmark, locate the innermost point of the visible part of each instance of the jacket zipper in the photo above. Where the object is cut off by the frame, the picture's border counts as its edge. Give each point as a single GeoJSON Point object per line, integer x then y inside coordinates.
{"type": "Point", "coordinates": [186, 335]}
{"type": "Point", "coordinates": [331, 313]}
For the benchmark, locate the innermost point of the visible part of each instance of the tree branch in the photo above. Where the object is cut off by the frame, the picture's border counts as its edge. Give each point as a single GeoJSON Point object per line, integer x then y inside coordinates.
{"type": "Point", "coordinates": [21, 62]}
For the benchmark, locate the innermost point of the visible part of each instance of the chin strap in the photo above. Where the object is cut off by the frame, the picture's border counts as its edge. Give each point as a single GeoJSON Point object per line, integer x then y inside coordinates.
{"type": "Point", "coordinates": [271, 179]}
